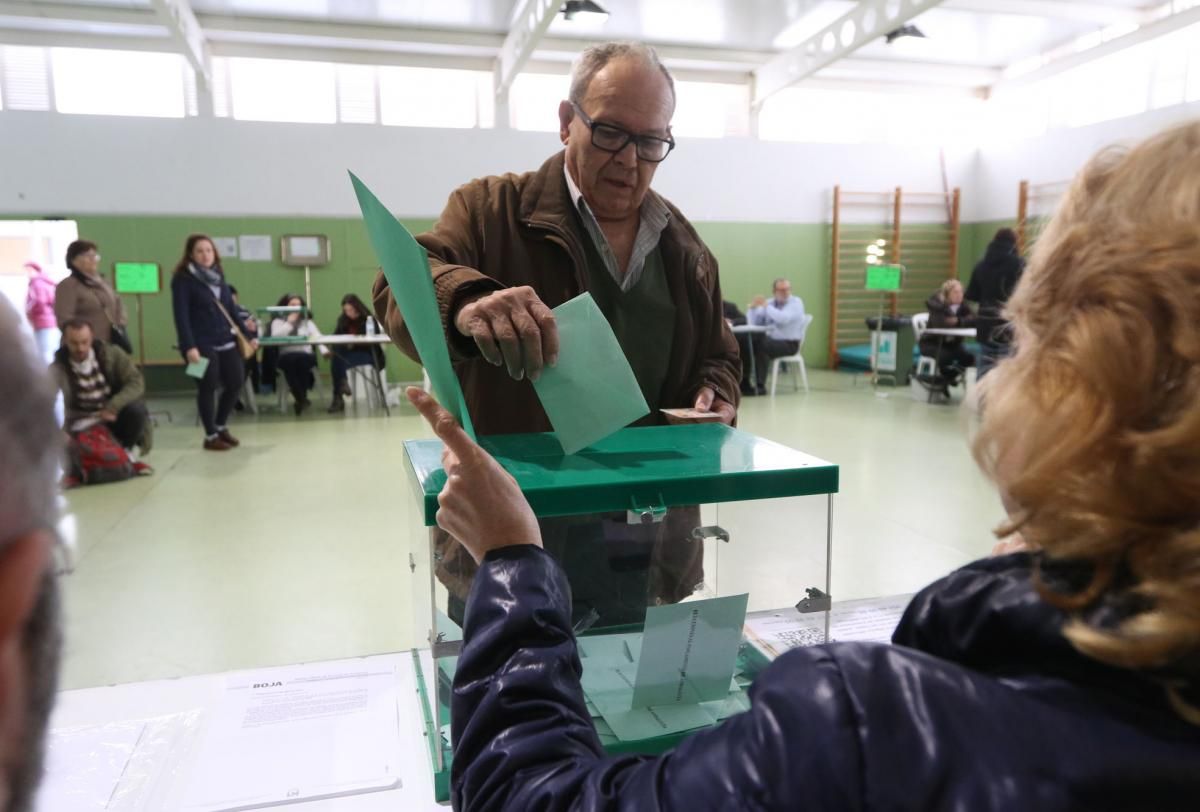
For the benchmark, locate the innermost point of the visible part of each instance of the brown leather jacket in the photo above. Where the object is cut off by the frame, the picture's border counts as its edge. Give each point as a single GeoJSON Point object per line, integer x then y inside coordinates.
{"type": "Point", "coordinates": [514, 230]}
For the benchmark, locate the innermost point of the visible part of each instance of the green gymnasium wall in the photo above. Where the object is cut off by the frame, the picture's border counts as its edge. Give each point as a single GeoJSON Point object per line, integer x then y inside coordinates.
{"type": "Point", "coordinates": [751, 256]}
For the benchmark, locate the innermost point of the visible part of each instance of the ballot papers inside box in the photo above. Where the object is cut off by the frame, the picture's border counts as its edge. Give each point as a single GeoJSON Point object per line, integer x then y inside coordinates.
{"type": "Point", "coordinates": [668, 535]}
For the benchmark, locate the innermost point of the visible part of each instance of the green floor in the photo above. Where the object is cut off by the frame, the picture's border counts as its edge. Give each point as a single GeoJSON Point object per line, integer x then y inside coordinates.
{"type": "Point", "coordinates": [295, 547]}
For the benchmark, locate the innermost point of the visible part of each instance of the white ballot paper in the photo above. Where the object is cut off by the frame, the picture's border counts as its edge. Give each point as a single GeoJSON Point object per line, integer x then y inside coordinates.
{"type": "Point", "coordinates": [299, 733]}
{"type": "Point", "coordinates": [869, 620]}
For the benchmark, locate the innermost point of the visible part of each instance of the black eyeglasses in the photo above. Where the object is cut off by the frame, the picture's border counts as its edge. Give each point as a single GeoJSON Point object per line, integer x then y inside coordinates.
{"type": "Point", "coordinates": [614, 139]}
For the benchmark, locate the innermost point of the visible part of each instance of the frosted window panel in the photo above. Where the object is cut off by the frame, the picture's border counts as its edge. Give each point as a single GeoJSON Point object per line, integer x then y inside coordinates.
{"type": "Point", "coordinates": [24, 78]}
{"type": "Point", "coordinates": [356, 94]}
{"type": "Point", "coordinates": [851, 117]}
{"type": "Point", "coordinates": [118, 83]}
{"type": "Point", "coordinates": [711, 110]}
{"type": "Point", "coordinates": [533, 101]}
{"type": "Point", "coordinates": [220, 87]}
{"type": "Point", "coordinates": [283, 90]}
{"type": "Point", "coordinates": [428, 97]}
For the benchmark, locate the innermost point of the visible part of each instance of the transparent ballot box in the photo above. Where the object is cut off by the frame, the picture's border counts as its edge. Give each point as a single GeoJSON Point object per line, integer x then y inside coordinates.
{"type": "Point", "coordinates": [643, 521]}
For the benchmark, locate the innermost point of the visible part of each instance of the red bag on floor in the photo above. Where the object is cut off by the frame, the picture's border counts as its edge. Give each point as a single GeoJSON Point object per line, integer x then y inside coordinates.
{"type": "Point", "coordinates": [96, 457]}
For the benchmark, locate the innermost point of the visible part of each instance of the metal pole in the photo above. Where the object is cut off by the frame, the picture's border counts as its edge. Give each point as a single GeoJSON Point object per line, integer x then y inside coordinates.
{"type": "Point", "coordinates": [828, 559]}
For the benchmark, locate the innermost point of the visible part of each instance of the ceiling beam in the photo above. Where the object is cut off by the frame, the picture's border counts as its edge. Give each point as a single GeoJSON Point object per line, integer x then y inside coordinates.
{"type": "Point", "coordinates": [88, 14]}
{"type": "Point", "coordinates": [185, 32]}
{"type": "Point", "coordinates": [351, 56]}
{"type": "Point", "coordinates": [1050, 9]}
{"type": "Point", "coordinates": [243, 28]}
{"type": "Point", "coordinates": [1149, 31]}
{"type": "Point", "coordinates": [867, 21]}
{"type": "Point", "coordinates": [528, 27]}
{"type": "Point", "coordinates": [59, 39]}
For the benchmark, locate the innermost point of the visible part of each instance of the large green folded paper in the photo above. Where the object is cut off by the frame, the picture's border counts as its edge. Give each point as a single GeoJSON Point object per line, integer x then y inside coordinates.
{"type": "Point", "coordinates": [406, 266]}
{"type": "Point", "coordinates": [592, 391]}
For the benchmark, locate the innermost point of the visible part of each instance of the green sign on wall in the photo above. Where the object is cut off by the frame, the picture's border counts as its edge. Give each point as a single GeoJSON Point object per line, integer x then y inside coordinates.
{"type": "Point", "coordinates": [884, 277]}
{"type": "Point", "coordinates": [137, 277]}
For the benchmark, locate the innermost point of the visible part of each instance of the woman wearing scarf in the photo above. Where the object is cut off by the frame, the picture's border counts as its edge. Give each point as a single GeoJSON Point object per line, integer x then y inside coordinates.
{"type": "Point", "coordinates": [86, 295]}
{"type": "Point", "coordinates": [198, 293]}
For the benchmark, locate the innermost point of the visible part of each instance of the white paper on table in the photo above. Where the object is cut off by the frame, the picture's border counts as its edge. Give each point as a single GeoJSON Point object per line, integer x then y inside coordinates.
{"type": "Point", "coordinates": [868, 620]}
{"type": "Point", "coordinates": [303, 732]}
{"type": "Point", "coordinates": [255, 247]}
{"type": "Point", "coordinates": [84, 765]}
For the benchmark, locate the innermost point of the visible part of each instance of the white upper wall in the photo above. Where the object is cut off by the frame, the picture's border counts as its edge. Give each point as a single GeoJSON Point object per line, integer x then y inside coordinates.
{"type": "Point", "coordinates": [54, 164]}
{"type": "Point", "coordinates": [1053, 157]}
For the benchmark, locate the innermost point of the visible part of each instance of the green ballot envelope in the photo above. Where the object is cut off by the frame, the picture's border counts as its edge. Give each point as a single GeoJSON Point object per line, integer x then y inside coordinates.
{"type": "Point", "coordinates": [406, 266]}
{"type": "Point", "coordinates": [668, 535]}
{"type": "Point", "coordinates": [197, 369]}
{"type": "Point", "coordinates": [592, 391]}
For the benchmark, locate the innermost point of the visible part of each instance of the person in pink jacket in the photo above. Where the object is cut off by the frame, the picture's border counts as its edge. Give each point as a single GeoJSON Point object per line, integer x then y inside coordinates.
{"type": "Point", "coordinates": [39, 309]}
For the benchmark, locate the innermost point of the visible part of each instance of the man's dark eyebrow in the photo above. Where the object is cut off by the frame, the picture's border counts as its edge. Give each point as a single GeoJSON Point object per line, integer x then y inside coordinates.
{"type": "Point", "coordinates": [664, 136]}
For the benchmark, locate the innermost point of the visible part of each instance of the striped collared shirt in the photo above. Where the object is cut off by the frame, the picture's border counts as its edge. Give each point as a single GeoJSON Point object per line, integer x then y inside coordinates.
{"type": "Point", "coordinates": [654, 217]}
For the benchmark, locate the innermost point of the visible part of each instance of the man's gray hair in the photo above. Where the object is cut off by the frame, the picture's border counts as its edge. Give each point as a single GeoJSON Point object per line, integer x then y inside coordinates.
{"type": "Point", "coordinates": [30, 442]}
{"type": "Point", "coordinates": [593, 59]}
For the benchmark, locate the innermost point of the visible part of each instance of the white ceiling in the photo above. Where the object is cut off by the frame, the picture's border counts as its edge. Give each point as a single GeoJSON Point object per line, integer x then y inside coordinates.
{"type": "Point", "coordinates": [968, 44]}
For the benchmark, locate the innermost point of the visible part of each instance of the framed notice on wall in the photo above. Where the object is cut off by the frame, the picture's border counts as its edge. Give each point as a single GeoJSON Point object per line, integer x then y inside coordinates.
{"type": "Point", "coordinates": [137, 277]}
{"type": "Point", "coordinates": [309, 250]}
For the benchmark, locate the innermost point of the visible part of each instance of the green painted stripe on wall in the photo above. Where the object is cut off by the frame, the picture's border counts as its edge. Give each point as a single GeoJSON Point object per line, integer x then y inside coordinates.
{"type": "Point", "coordinates": [751, 257]}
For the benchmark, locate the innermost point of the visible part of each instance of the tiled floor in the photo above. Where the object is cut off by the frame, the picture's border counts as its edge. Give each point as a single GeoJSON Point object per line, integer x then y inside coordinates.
{"type": "Point", "coordinates": [295, 546]}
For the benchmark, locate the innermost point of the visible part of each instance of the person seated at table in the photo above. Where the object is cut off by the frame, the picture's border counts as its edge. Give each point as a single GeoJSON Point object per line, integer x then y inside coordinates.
{"type": "Point", "coordinates": [298, 362]}
{"type": "Point", "coordinates": [352, 321]}
{"type": "Point", "coordinates": [948, 310]}
{"type": "Point", "coordinates": [783, 316]}
{"type": "Point", "coordinates": [30, 609]}
{"type": "Point", "coordinates": [1064, 676]}
{"type": "Point", "coordinates": [100, 383]}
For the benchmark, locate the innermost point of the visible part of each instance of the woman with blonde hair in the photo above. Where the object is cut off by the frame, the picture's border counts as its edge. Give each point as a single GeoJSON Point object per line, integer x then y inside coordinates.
{"type": "Point", "coordinates": [1061, 677]}
{"type": "Point", "coordinates": [947, 310]}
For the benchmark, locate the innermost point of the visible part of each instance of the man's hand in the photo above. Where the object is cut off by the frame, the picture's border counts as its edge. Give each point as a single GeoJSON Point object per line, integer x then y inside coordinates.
{"type": "Point", "coordinates": [759, 301]}
{"type": "Point", "coordinates": [108, 416]}
{"type": "Point", "coordinates": [480, 504]}
{"type": "Point", "coordinates": [707, 401]}
{"type": "Point", "coordinates": [512, 327]}
{"type": "Point", "coordinates": [193, 355]}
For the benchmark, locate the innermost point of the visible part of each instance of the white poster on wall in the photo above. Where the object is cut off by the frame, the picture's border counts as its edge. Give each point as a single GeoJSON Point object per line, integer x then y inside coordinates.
{"type": "Point", "coordinates": [255, 247]}
{"type": "Point", "coordinates": [227, 247]}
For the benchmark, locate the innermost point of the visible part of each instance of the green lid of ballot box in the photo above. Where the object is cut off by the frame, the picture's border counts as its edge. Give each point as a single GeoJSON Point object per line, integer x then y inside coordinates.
{"type": "Point", "coordinates": [655, 466]}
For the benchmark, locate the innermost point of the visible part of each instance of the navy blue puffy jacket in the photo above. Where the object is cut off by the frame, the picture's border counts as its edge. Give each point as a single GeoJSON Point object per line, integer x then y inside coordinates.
{"type": "Point", "coordinates": [198, 322]}
{"type": "Point", "coordinates": [980, 705]}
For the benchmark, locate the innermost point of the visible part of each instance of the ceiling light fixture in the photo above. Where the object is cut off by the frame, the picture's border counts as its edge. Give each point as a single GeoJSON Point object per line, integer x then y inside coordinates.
{"type": "Point", "coordinates": [585, 8]}
{"type": "Point", "coordinates": [904, 31]}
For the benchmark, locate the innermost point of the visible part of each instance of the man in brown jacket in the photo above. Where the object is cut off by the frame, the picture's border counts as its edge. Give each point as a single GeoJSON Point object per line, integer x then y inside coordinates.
{"type": "Point", "coordinates": [508, 249]}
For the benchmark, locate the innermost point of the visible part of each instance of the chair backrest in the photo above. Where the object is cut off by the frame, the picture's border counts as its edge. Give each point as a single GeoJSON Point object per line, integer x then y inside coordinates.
{"type": "Point", "coordinates": [920, 323]}
{"type": "Point", "coordinates": [808, 323]}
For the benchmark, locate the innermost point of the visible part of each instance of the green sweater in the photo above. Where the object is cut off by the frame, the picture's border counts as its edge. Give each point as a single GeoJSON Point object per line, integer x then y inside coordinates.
{"type": "Point", "coordinates": [643, 319]}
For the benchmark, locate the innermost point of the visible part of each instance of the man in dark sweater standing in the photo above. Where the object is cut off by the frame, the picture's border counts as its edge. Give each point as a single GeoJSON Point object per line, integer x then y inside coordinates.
{"type": "Point", "coordinates": [992, 283]}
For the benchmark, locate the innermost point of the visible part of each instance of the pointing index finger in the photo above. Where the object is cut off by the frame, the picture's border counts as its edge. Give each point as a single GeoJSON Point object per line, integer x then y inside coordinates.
{"type": "Point", "coordinates": [442, 422]}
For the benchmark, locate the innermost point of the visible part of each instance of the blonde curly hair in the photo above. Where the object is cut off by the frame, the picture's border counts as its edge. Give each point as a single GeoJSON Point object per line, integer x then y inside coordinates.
{"type": "Point", "coordinates": [1092, 429]}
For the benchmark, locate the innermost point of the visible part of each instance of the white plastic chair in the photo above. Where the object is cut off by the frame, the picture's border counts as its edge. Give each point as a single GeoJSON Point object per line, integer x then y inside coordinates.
{"type": "Point", "coordinates": [797, 359]}
{"type": "Point", "coordinates": [925, 364]}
